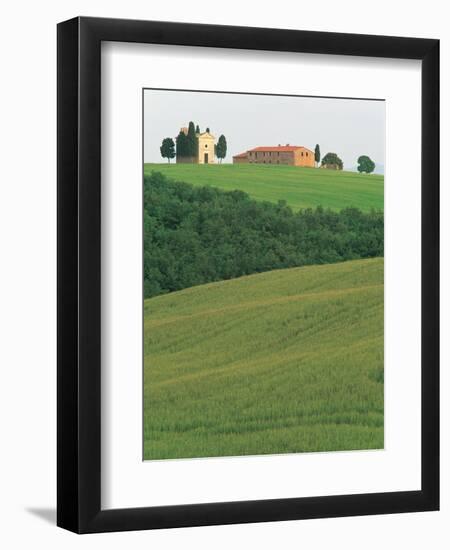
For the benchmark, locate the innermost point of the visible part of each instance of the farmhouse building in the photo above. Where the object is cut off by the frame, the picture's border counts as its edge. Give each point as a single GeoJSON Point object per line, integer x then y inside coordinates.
{"type": "Point", "coordinates": [292, 155]}
{"type": "Point", "coordinates": [205, 149]}
{"type": "Point", "coordinates": [331, 166]}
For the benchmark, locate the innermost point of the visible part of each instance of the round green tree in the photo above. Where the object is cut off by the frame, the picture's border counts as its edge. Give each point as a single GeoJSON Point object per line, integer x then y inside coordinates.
{"type": "Point", "coordinates": [365, 164]}
{"type": "Point", "coordinates": [167, 149]}
{"type": "Point", "coordinates": [331, 160]}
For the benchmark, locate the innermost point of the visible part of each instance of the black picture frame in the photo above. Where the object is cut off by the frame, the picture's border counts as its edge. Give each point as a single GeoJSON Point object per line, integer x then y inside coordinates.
{"type": "Point", "coordinates": [79, 281]}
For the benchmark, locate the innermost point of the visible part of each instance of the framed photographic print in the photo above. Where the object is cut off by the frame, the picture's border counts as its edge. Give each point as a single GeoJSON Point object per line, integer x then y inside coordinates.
{"type": "Point", "coordinates": [248, 259]}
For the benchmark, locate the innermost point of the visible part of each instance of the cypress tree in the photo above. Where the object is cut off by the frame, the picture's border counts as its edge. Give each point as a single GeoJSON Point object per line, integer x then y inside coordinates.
{"type": "Point", "coordinates": [221, 148]}
{"type": "Point", "coordinates": [317, 154]}
{"type": "Point", "coordinates": [182, 145]}
{"type": "Point", "coordinates": [192, 141]}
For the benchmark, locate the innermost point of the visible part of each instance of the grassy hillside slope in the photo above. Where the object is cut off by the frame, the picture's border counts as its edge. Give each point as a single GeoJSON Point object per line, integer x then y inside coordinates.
{"type": "Point", "coordinates": [279, 362]}
{"type": "Point", "coordinates": [299, 187]}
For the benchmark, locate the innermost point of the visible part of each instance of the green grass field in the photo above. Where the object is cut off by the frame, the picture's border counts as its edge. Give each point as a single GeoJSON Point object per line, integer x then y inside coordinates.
{"type": "Point", "coordinates": [279, 362]}
{"type": "Point", "coordinates": [299, 187]}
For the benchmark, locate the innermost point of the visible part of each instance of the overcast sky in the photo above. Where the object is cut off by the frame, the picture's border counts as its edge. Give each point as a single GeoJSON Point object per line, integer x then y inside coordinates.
{"type": "Point", "coordinates": [348, 127]}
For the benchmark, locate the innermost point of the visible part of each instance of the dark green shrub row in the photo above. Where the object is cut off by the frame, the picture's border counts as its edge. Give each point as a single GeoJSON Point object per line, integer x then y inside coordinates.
{"type": "Point", "coordinates": [194, 235]}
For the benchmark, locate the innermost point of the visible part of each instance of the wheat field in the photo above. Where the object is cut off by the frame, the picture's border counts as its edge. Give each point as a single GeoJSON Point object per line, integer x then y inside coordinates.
{"type": "Point", "coordinates": [280, 362]}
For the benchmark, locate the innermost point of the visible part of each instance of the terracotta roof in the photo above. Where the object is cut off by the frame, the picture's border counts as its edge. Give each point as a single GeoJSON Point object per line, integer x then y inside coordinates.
{"type": "Point", "coordinates": [289, 148]}
{"type": "Point", "coordinates": [241, 155]}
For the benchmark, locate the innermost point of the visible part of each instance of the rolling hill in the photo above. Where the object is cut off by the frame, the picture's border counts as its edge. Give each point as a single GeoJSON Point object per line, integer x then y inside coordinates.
{"type": "Point", "coordinates": [299, 187]}
{"type": "Point", "coordinates": [279, 362]}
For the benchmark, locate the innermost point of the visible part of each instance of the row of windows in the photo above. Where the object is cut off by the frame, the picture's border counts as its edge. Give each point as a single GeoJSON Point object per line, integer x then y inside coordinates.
{"type": "Point", "coordinates": [263, 153]}
{"type": "Point", "coordinates": [271, 153]}
{"type": "Point", "coordinates": [264, 162]}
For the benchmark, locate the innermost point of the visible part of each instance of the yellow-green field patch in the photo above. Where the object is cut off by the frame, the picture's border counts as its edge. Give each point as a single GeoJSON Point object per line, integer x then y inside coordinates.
{"type": "Point", "coordinates": [280, 362]}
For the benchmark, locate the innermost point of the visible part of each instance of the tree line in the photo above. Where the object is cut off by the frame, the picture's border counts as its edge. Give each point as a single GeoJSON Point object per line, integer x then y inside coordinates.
{"type": "Point", "coordinates": [195, 235]}
{"type": "Point", "coordinates": [187, 146]}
